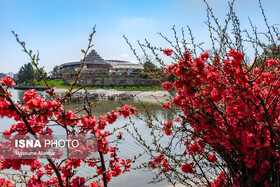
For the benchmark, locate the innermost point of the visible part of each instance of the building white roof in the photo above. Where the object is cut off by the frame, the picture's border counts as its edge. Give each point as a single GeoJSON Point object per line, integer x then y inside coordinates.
{"type": "Point", "coordinates": [94, 58]}
{"type": "Point", "coordinates": [119, 64]}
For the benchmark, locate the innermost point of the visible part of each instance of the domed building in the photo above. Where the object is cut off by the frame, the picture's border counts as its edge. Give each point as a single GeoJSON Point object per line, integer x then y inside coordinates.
{"type": "Point", "coordinates": [99, 72]}
{"type": "Point", "coordinates": [93, 62]}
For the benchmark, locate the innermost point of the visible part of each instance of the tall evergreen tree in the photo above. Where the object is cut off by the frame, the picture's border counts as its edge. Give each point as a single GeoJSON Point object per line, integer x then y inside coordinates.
{"type": "Point", "coordinates": [26, 73]}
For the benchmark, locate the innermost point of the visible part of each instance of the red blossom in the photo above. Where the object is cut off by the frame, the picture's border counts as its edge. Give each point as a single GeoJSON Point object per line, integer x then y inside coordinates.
{"type": "Point", "coordinates": [112, 117]}
{"type": "Point", "coordinates": [168, 52]}
{"type": "Point", "coordinates": [152, 164]}
{"type": "Point", "coordinates": [39, 173]}
{"type": "Point", "coordinates": [126, 164]}
{"type": "Point", "coordinates": [126, 110]}
{"type": "Point", "coordinates": [116, 171]}
{"type": "Point", "coordinates": [6, 183]}
{"type": "Point", "coordinates": [179, 83]}
{"type": "Point", "coordinates": [94, 184]}
{"type": "Point", "coordinates": [204, 56]}
{"type": "Point", "coordinates": [166, 72]}
{"type": "Point", "coordinates": [73, 163]}
{"type": "Point", "coordinates": [167, 128]}
{"type": "Point", "coordinates": [212, 158]}
{"type": "Point", "coordinates": [78, 182]}
{"type": "Point", "coordinates": [40, 112]}
{"type": "Point", "coordinates": [167, 105]}
{"type": "Point", "coordinates": [171, 67]}
{"type": "Point", "coordinates": [50, 92]}
{"type": "Point", "coordinates": [8, 81]}
{"type": "Point", "coordinates": [220, 181]}
{"type": "Point", "coordinates": [224, 106]}
{"type": "Point", "coordinates": [159, 159]}
{"type": "Point", "coordinates": [167, 85]}
{"type": "Point", "coordinates": [187, 168]}
{"type": "Point", "coordinates": [271, 62]}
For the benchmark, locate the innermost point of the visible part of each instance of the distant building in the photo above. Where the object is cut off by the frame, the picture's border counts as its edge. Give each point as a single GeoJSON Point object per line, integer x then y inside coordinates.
{"type": "Point", "coordinates": [96, 63]}
{"type": "Point", "coordinates": [93, 61]}
{"type": "Point", "coordinates": [10, 74]}
{"type": "Point", "coordinates": [119, 67]}
{"type": "Point", "coordinates": [2, 75]}
{"type": "Point", "coordinates": [97, 71]}
{"type": "Point", "coordinates": [15, 77]}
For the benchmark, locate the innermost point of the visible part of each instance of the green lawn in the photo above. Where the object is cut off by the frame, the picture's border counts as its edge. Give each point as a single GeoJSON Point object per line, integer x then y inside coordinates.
{"type": "Point", "coordinates": [61, 84]}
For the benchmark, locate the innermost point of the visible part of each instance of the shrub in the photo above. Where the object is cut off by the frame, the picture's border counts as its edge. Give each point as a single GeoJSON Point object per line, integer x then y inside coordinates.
{"type": "Point", "coordinates": [227, 128]}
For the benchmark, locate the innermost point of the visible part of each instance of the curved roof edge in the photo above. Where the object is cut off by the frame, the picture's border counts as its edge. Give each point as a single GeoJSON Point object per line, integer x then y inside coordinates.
{"type": "Point", "coordinates": [94, 58]}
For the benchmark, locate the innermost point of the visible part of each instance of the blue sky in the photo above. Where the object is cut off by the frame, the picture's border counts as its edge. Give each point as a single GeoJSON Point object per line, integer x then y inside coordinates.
{"type": "Point", "coordinates": [59, 29]}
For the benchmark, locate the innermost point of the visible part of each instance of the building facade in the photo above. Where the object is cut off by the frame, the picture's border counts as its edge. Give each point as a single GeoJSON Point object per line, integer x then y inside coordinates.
{"type": "Point", "coordinates": [99, 72]}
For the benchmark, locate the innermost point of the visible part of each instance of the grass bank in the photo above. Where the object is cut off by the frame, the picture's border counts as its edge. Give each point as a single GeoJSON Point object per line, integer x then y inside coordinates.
{"type": "Point", "coordinates": [61, 84]}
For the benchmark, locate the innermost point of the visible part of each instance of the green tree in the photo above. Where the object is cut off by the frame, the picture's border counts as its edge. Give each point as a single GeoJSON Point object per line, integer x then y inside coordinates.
{"type": "Point", "coordinates": [270, 51]}
{"type": "Point", "coordinates": [54, 73]}
{"type": "Point", "coordinates": [150, 66]}
{"type": "Point", "coordinates": [26, 73]}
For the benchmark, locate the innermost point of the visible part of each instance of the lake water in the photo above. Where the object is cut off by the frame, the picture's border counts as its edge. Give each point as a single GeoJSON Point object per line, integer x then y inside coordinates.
{"type": "Point", "coordinates": [128, 148]}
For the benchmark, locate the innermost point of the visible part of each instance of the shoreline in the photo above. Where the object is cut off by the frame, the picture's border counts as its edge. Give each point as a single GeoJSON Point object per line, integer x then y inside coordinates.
{"type": "Point", "coordinates": [153, 96]}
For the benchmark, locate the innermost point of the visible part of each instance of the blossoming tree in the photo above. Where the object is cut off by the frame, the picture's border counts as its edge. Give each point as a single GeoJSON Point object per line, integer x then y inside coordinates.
{"type": "Point", "coordinates": [226, 132]}
{"type": "Point", "coordinates": [34, 116]}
